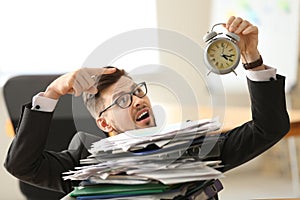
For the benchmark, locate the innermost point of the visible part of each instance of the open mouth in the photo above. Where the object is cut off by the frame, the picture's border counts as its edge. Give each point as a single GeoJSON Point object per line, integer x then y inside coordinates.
{"type": "Point", "coordinates": [143, 115]}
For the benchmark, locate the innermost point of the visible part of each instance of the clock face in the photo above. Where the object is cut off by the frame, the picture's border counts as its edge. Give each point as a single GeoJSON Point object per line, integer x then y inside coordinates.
{"type": "Point", "coordinates": [222, 56]}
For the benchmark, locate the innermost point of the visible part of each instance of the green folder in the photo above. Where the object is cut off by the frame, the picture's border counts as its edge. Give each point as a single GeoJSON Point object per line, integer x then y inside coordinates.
{"type": "Point", "coordinates": [119, 189]}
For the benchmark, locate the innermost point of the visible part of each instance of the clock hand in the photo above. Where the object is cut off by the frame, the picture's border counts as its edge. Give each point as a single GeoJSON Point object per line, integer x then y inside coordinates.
{"type": "Point", "coordinates": [224, 56]}
{"type": "Point", "coordinates": [228, 55]}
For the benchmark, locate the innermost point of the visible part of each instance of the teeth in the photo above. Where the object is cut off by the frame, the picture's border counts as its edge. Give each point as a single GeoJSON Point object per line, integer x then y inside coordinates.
{"type": "Point", "coordinates": [141, 115]}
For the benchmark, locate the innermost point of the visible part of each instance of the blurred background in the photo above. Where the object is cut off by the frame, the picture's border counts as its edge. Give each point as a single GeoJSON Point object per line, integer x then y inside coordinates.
{"type": "Point", "coordinates": [39, 37]}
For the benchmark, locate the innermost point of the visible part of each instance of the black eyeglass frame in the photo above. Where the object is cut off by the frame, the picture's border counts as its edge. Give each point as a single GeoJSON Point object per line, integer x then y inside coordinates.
{"type": "Point", "coordinates": [131, 93]}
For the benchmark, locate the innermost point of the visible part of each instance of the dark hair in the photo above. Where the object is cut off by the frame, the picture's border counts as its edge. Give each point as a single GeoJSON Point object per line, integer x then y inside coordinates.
{"type": "Point", "coordinates": [94, 102]}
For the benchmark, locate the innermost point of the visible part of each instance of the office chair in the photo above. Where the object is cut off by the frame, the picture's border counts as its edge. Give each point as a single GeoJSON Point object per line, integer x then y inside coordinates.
{"type": "Point", "coordinates": [18, 91]}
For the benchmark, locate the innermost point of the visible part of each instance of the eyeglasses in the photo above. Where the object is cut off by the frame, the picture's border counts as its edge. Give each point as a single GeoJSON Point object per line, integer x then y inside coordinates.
{"type": "Point", "coordinates": [125, 100]}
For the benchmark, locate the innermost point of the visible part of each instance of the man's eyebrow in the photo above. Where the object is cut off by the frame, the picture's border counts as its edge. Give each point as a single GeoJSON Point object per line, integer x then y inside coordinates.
{"type": "Point", "coordinates": [117, 94]}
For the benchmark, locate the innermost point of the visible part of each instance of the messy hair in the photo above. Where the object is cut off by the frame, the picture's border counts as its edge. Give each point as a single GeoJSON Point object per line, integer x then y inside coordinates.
{"type": "Point", "coordinates": [94, 102]}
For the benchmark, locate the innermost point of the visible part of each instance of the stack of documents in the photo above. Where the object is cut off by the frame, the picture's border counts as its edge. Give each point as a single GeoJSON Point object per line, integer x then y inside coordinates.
{"type": "Point", "coordinates": [150, 163]}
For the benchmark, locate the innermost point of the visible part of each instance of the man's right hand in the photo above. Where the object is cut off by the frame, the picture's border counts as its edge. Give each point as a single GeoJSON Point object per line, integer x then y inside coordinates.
{"type": "Point", "coordinates": [76, 82]}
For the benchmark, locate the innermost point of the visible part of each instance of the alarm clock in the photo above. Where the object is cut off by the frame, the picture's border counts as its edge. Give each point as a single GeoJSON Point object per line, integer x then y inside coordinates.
{"type": "Point", "coordinates": [221, 54]}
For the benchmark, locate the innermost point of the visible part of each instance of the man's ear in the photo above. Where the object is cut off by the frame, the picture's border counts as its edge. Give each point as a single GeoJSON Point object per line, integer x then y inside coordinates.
{"type": "Point", "coordinates": [103, 125]}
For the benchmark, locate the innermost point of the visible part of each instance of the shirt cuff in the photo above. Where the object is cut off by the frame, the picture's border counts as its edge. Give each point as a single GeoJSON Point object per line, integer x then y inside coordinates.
{"type": "Point", "coordinates": [44, 104]}
{"type": "Point", "coordinates": [262, 75]}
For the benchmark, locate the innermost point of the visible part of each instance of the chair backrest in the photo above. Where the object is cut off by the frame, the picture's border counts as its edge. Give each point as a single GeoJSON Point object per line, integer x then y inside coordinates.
{"type": "Point", "coordinates": [19, 90]}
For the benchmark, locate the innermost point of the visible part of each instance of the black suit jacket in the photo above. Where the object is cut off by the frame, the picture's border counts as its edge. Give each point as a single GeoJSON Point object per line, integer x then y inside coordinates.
{"type": "Point", "coordinates": [28, 161]}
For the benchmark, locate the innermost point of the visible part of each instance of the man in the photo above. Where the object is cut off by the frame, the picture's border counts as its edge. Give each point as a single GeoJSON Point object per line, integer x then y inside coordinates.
{"type": "Point", "coordinates": [119, 104]}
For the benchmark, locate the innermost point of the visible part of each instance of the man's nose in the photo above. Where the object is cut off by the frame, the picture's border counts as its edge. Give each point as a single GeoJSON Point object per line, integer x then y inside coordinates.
{"type": "Point", "coordinates": [137, 101]}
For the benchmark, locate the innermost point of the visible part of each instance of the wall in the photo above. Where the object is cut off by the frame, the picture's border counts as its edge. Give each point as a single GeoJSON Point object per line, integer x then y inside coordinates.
{"type": "Point", "coordinates": [192, 19]}
{"type": "Point", "coordinates": [295, 93]}
{"type": "Point", "coordinates": [57, 36]}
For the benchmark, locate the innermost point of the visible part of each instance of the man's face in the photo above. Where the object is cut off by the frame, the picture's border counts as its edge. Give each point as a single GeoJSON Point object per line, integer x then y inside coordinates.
{"type": "Point", "coordinates": [116, 120]}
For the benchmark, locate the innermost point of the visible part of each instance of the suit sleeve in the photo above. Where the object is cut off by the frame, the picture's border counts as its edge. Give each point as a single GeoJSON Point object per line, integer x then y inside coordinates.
{"type": "Point", "coordinates": [270, 123]}
{"type": "Point", "coordinates": [28, 161]}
